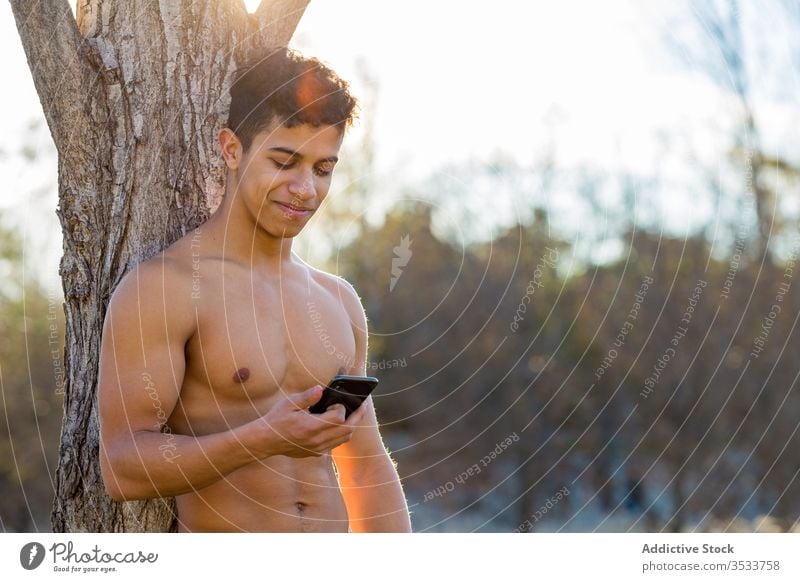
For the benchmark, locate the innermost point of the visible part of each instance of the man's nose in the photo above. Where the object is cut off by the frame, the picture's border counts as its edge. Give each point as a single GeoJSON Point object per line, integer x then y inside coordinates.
{"type": "Point", "coordinates": [303, 185]}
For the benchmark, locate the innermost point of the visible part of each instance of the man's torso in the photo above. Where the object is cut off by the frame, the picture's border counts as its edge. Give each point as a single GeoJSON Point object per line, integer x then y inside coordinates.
{"type": "Point", "coordinates": [257, 338]}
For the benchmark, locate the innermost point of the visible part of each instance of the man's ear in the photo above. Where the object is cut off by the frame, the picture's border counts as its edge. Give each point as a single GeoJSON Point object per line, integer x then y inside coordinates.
{"type": "Point", "coordinates": [231, 147]}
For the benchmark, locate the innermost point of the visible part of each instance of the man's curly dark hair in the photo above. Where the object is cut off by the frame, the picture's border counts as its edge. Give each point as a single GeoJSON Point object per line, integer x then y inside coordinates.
{"type": "Point", "coordinates": [280, 85]}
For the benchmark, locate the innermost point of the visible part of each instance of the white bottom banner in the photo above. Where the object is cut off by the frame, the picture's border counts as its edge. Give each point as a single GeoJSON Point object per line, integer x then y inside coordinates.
{"type": "Point", "coordinates": [416, 557]}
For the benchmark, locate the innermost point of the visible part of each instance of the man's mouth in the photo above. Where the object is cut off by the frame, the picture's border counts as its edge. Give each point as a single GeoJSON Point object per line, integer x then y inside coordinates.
{"type": "Point", "coordinates": [293, 210]}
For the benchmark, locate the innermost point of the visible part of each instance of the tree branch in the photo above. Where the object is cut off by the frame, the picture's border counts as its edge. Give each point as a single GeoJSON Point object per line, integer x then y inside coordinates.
{"type": "Point", "coordinates": [52, 44]}
{"type": "Point", "coordinates": [278, 19]}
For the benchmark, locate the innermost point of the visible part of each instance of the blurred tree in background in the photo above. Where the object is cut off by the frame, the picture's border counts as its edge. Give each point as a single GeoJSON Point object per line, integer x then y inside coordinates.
{"type": "Point", "coordinates": [31, 384]}
{"type": "Point", "coordinates": [709, 446]}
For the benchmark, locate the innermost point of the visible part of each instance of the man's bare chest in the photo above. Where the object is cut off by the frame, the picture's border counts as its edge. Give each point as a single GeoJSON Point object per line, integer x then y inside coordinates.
{"type": "Point", "coordinates": [253, 344]}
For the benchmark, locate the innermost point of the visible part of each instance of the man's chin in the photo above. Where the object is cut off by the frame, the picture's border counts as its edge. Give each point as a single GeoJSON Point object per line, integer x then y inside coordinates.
{"type": "Point", "coordinates": [285, 231]}
{"type": "Point", "coordinates": [282, 228]}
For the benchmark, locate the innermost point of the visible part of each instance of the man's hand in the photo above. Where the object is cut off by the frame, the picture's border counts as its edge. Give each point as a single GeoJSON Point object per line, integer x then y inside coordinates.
{"type": "Point", "coordinates": [289, 429]}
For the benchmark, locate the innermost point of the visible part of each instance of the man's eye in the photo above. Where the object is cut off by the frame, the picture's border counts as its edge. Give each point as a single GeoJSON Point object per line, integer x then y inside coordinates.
{"type": "Point", "coordinates": [282, 165]}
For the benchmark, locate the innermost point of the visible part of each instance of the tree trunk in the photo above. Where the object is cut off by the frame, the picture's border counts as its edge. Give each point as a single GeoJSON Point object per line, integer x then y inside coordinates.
{"type": "Point", "coordinates": [134, 93]}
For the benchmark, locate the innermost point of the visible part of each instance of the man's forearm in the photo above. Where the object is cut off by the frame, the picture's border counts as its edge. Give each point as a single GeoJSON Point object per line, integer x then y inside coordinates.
{"type": "Point", "coordinates": [156, 464]}
{"type": "Point", "coordinates": [374, 498]}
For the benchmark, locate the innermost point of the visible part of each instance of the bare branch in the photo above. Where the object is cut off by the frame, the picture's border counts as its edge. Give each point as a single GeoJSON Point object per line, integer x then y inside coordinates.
{"type": "Point", "coordinates": [278, 20]}
{"type": "Point", "coordinates": [52, 44]}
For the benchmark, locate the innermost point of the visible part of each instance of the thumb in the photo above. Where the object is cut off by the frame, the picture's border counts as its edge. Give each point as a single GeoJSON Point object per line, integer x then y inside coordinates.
{"type": "Point", "coordinates": [307, 397]}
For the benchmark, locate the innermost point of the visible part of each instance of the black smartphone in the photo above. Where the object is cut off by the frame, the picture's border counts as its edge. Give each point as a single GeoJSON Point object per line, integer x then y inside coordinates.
{"type": "Point", "coordinates": [349, 391]}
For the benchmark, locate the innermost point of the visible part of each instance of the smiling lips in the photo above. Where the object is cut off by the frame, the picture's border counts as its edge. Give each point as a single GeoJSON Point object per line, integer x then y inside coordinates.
{"type": "Point", "coordinates": [292, 211]}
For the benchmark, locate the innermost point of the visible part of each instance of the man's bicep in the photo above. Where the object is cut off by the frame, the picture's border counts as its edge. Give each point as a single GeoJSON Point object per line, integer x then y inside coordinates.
{"type": "Point", "coordinates": [142, 363]}
{"type": "Point", "coordinates": [358, 323]}
{"type": "Point", "coordinates": [364, 446]}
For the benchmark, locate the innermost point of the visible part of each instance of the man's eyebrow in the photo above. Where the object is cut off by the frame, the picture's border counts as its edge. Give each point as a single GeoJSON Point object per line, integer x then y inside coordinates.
{"type": "Point", "coordinates": [295, 154]}
{"type": "Point", "coordinates": [286, 151]}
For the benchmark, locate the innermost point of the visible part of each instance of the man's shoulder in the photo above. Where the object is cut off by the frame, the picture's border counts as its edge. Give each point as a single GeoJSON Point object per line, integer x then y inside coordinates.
{"type": "Point", "coordinates": [158, 282]}
{"type": "Point", "coordinates": [343, 291]}
{"type": "Point", "coordinates": [334, 284]}
{"type": "Point", "coordinates": [161, 271]}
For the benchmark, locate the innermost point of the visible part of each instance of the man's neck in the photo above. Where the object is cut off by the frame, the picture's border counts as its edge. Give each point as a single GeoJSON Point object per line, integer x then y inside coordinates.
{"type": "Point", "coordinates": [238, 237]}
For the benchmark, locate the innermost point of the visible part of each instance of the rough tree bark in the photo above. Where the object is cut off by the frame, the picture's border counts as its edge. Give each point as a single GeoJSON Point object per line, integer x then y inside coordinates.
{"type": "Point", "coordinates": [134, 92]}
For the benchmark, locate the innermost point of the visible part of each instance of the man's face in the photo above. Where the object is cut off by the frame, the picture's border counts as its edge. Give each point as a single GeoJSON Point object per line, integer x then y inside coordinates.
{"type": "Point", "coordinates": [285, 174]}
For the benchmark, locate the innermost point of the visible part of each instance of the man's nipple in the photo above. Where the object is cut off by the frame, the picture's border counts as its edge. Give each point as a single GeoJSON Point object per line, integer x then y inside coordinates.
{"type": "Point", "coordinates": [241, 375]}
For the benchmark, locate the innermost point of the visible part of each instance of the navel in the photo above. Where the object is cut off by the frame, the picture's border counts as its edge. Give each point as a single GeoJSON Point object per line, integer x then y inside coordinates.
{"type": "Point", "coordinates": [241, 375]}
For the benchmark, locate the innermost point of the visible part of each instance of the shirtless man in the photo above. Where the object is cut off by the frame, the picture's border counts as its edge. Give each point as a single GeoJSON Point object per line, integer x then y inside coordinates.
{"type": "Point", "coordinates": [214, 349]}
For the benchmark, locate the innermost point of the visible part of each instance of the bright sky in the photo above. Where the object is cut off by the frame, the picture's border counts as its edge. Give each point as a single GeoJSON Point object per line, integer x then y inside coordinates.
{"type": "Point", "coordinates": [467, 79]}
{"type": "Point", "coordinates": [461, 79]}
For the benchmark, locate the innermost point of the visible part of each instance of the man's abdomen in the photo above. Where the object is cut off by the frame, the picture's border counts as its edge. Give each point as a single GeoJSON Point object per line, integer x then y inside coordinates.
{"type": "Point", "coordinates": [280, 494]}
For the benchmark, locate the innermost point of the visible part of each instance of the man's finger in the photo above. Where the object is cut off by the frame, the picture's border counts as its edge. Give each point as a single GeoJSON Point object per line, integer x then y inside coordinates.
{"type": "Point", "coordinates": [338, 406]}
{"type": "Point", "coordinates": [306, 398]}
{"type": "Point", "coordinates": [335, 413]}
{"type": "Point", "coordinates": [358, 415]}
